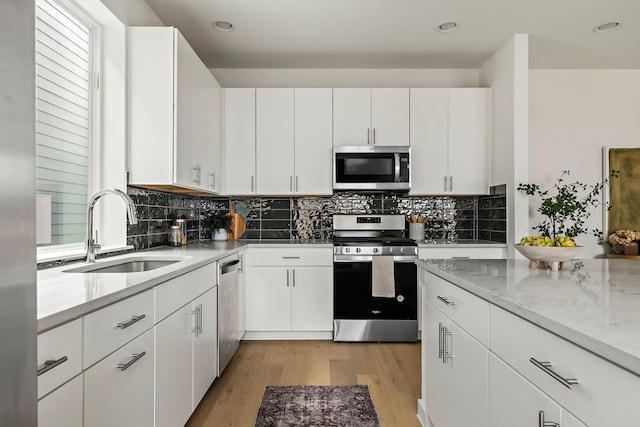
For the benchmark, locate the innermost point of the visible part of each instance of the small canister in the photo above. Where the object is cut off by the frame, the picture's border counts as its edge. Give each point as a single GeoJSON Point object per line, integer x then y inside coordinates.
{"type": "Point", "coordinates": [174, 235]}
{"type": "Point", "coordinates": [182, 223]}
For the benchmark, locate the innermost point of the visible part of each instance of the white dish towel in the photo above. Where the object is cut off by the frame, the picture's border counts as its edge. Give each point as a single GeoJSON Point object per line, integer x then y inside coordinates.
{"type": "Point", "coordinates": [382, 278]}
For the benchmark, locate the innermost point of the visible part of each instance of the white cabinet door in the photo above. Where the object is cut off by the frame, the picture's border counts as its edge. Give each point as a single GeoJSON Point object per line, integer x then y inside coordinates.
{"type": "Point", "coordinates": [429, 140]}
{"type": "Point", "coordinates": [390, 116]}
{"type": "Point", "coordinates": [516, 402]}
{"type": "Point", "coordinates": [118, 391]}
{"type": "Point", "coordinates": [63, 407]}
{"type": "Point", "coordinates": [274, 141]}
{"type": "Point", "coordinates": [312, 299]}
{"type": "Point", "coordinates": [456, 376]}
{"type": "Point", "coordinates": [212, 168]}
{"type": "Point", "coordinates": [205, 344]}
{"type": "Point", "coordinates": [240, 141]}
{"type": "Point", "coordinates": [469, 134]}
{"type": "Point", "coordinates": [174, 342]}
{"type": "Point", "coordinates": [313, 141]}
{"type": "Point", "coordinates": [352, 116]}
{"type": "Point", "coordinates": [269, 299]}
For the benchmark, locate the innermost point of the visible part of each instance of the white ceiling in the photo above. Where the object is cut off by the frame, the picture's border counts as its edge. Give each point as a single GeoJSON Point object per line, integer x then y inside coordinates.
{"type": "Point", "coordinates": [402, 33]}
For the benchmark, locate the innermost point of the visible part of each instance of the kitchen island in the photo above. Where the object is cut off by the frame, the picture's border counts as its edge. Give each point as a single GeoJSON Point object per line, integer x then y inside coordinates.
{"type": "Point", "coordinates": [535, 328]}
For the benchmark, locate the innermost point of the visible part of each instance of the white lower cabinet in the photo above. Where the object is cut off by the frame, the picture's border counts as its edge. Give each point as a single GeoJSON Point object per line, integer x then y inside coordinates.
{"type": "Point", "coordinates": [63, 407]}
{"type": "Point", "coordinates": [515, 401]}
{"type": "Point", "coordinates": [186, 351]}
{"type": "Point", "coordinates": [118, 390]}
{"type": "Point", "coordinates": [455, 373]}
{"type": "Point", "coordinates": [290, 289]}
{"type": "Point", "coordinates": [290, 299]}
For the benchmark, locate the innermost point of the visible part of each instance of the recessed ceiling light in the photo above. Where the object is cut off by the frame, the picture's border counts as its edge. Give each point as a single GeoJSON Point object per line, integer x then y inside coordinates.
{"type": "Point", "coordinates": [609, 26]}
{"type": "Point", "coordinates": [222, 25]}
{"type": "Point", "coordinates": [447, 27]}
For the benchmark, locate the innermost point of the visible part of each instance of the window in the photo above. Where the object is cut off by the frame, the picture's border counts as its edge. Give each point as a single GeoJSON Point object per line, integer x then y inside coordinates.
{"type": "Point", "coordinates": [64, 118]}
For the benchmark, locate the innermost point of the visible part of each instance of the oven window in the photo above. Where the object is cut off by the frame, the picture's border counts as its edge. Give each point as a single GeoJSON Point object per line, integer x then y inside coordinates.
{"type": "Point", "coordinates": [369, 168]}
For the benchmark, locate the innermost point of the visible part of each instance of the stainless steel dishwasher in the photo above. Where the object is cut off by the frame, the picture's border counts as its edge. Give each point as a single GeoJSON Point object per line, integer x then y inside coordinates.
{"type": "Point", "coordinates": [229, 333]}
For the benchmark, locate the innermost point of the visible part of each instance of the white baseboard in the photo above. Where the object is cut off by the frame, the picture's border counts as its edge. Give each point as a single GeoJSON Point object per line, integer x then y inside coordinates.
{"type": "Point", "coordinates": [422, 414]}
{"type": "Point", "coordinates": [288, 335]}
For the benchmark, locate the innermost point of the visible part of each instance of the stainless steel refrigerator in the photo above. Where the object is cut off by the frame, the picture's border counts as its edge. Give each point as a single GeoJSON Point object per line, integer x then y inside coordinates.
{"type": "Point", "coordinates": [17, 215]}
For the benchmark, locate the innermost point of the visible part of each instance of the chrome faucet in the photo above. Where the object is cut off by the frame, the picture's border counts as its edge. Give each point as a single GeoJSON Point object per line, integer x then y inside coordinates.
{"type": "Point", "coordinates": [91, 244]}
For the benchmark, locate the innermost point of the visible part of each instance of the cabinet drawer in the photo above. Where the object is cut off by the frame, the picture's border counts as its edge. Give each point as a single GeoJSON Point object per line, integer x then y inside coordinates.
{"type": "Point", "coordinates": [605, 395]}
{"type": "Point", "coordinates": [175, 293]}
{"type": "Point", "coordinates": [292, 257]}
{"type": "Point", "coordinates": [472, 253]}
{"type": "Point", "coordinates": [119, 390]}
{"type": "Point", "coordinates": [110, 328]}
{"type": "Point", "coordinates": [468, 311]}
{"type": "Point", "coordinates": [53, 347]}
{"type": "Point", "coordinates": [62, 407]}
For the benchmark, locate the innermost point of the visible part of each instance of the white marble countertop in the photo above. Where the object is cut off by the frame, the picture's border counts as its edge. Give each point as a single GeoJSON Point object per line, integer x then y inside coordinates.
{"type": "Point", "coordinates": [594, 303]}
{"type": "Point", "coordinates": [64, 296]}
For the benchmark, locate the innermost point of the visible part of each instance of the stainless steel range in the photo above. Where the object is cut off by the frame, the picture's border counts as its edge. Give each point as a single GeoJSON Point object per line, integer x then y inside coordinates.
{"type": "Point", "coordinates": [374, 279]}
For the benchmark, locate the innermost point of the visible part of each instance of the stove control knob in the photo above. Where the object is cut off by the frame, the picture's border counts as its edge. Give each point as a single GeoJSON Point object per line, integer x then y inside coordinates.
{"type": "Point", "coordinates": [401, 250]}
{"type": "Point", "coordinates": [347, 250]}
{"type": "Point", "coordinates": [376, 250]}
{"type": "Point", "coordinates": [358, 250]}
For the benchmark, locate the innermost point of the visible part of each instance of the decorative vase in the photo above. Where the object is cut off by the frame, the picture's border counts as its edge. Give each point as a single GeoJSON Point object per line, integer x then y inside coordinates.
{"type": "Point", "coordinates": [628, 249]}
{"type": "Point", "coordinates": [220, 234]}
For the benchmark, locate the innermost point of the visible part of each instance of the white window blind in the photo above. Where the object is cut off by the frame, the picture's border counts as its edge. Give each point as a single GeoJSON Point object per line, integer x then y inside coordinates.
{"type": "Point", "coordinates": [63, 125]}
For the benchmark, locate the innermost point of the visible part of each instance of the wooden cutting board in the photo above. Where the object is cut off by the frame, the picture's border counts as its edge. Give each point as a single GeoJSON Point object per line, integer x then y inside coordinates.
{"type": "Point", "coordinates": [238, 224]}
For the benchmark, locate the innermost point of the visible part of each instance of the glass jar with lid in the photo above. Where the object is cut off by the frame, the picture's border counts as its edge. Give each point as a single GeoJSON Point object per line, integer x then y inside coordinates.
{"type": "Point", "coordinates": [174, 235]}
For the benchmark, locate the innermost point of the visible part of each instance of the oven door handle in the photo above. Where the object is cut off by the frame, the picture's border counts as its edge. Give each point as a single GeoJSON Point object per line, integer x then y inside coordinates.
{"type": "Point", "coordinates": [369, 258]}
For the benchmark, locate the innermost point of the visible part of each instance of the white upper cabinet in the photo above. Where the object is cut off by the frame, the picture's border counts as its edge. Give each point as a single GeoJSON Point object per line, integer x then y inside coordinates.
{"type": "Point", "coordinates": [240, 141]}
{"type": "Point", "coordinates": [274, 141]}
{"type": "Point", "coordinates": [278, 141]}
{"type": "Point", "coordinates": [175, 134]}
{"type": "Point", "coordinates": [450, 140]}
{"type": "Point", "coordinates": [313, 141]}
{"type": "Point", "coordinates": [363, 116]}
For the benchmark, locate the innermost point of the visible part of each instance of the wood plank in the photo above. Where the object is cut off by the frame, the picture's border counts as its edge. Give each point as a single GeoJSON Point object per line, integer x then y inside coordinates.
{"type": "Point", "coordinates": [392, 372]}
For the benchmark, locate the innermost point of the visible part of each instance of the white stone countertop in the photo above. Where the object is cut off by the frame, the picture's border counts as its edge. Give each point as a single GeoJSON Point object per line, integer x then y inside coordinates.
{"type": "Point", "coordinates": [593, 303]}
{"type": "Point", "coordinates": [64, 296]}
{"type": "Point", "coordinates": [460, 243]}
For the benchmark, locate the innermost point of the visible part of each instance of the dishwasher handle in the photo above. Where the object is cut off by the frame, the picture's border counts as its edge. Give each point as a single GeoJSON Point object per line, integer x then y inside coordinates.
{"type": "Point", "coordinates": [230, 266]}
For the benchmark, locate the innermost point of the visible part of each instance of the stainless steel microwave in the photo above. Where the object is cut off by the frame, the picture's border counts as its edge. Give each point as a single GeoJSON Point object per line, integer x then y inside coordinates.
{"type": "Point", "coordinates": [371, 168]}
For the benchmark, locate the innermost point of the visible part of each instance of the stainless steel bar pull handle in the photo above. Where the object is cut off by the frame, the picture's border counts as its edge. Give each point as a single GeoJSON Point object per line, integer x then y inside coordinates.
{"type": "Point", "coordinates": [445, 183]}
{"type": "Point", "coordinates": [195, 174]}
{"type": "Point", "coordinates": [50, 364]}
{"type": "Point", "coordinates": [440, 350]}
{"type": "Point", "coordinates": [290, 257]}
{"type": "Point", "coordinates": [374, 136]}
{"type": "Point", "coordinates": [451, 183]}
{"type": "Point", "coordinates": [134, 319]}
{"type": "Point", "coordinates": [134, 358]}
{"type": "Point", "coordinates": [293, 271]}
{"type": "Point", "coordinates": [445, 350]}
{"type": "Point", "coordinates": [297, 186]}
{"type": "Point", "coordinates": [446, 301]}
{"type": "Point", "coordinates": [290, 183]}
{"type": "Point", "coordinates": [196, 326]}
{"type": "Point", "coordinates": [252, 179]}
{"type": "Point", "coordinates": [213, 179]}
{"type": "Point", "coordinates": [200, 319]}
{"type": "Point", "coordinates": [546, 367]}
{"type": "Point", "coordinates": [543, 423]}
{"type": "Point", "coordinates": [287, 277]}
{"type": "Point", "coordinates": [368, 136]}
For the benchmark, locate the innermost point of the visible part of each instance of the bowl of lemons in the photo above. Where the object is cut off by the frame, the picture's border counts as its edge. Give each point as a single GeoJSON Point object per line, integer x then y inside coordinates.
{"type": "Point", "coordinates": [547, 250]}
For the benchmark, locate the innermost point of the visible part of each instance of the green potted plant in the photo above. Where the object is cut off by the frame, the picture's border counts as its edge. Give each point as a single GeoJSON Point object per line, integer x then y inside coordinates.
{"type": "Point", "coordinates": [565, 210]}
{"type": "Point", "coordinates": [220, 225]}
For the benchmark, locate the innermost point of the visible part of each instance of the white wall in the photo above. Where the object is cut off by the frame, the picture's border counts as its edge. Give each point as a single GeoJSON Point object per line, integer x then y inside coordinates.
{"type": "Point", "coordinates": [133, 12]}
{"type": "Point", "coordinates": [369, 77]}
{"type": "Point", "coordinates": [573, 114]}
{"type": "Point", "coordinates": [506, 72]}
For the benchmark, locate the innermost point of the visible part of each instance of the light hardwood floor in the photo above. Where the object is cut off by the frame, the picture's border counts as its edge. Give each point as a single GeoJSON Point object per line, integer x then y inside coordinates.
{"type": "Point", "coordinates": [391, 370]}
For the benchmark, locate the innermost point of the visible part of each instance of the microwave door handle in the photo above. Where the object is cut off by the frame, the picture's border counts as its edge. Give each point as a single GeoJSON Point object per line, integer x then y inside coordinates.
{"type": "Point", "coordinates": [397, 165]}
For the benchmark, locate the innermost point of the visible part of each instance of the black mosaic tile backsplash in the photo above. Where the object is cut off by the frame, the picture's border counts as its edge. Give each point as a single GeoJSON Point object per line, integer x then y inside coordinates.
{"type": "Point", "coordinates": [476, 217]}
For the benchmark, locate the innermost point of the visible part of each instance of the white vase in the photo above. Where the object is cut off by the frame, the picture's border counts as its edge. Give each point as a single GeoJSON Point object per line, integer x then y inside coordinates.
{"type": "Point", "coordinates": [220, 234]}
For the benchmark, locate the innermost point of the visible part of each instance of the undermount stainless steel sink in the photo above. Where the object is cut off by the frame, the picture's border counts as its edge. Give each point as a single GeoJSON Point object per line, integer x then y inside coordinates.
{"type": "Point", "coordinates": [126, 265]}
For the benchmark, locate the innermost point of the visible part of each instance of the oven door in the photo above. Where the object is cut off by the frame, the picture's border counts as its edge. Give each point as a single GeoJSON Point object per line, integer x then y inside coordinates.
{"type": "Point", "coordinates": [352, 293]}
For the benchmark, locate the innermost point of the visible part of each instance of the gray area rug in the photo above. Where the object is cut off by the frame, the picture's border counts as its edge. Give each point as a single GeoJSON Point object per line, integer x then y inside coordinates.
{"type": "Point", "coordinates": [326, 406]}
